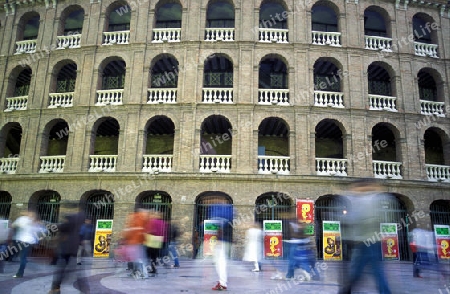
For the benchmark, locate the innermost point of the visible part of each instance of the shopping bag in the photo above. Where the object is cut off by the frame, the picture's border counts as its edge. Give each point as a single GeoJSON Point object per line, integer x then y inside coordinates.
{"type": "Point", "coordinates": [154, 241]}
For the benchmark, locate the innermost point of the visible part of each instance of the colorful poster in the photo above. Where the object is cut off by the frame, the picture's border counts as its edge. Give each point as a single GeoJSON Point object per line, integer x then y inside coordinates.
{"type": "Point", "coordinates": [102, 240]}
{"type": "Point", "coordinates": [389, 241]}
{"type": "Point", "coordinates": [442, 234]}
{"type": "Point", "coordinates": [332, 240]}
{"type": "Point", "coordinates": [273, 239]}
{"type": "Point", "coordinates": [210, 236]}
{"type": "Point", "coordinates": [305, 214]}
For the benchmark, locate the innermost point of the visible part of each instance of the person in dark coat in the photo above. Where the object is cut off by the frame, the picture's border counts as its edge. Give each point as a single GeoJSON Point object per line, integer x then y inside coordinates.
{"type": "Point", "coordinates": [69, 240]}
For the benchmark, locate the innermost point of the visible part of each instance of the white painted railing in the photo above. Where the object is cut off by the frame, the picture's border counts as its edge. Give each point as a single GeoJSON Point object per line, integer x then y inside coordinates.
{"type": "Point", "coordinates": [217, 95]}
{"type": "Point", "coordinates": [423, 49]}
{"type": "Point", "coordinates": [273, 35]}
{"type": "Point", "coordinates": [8, 165]}
{"type": "Point", "coordinates": [432, 108]}
{"type": "Point", "coordinates": [27, 46]}
{"type": "Point", "coordinates": [379, 102]}
{"type": "Point", "coordinates": [215, 163]}
{"type": "Point", "coordinates": [331, 167]}
{"type": "Point", "coordinates": [332, 99]}
{"type": "Point", "coordinates": [71, 41]}
{"type": "Point", "coordinates": [119, 37]}
{"type": "Point", "coordinates": [387, 169]}
{"type": "Point", "coordinates": [438, 173]}
{"type": "Point", "coordinates": [52, 164]}
{"type": "Point", "coordinates": [219, 34]}
{"type": "Point", "coordinates": [105, 97]}
{"type": "Point", "coordinates": [157, 163]}
{"type": "Point", "coordinates": [162, 95]}
{"type": "Point", "coordinates": [61, 100]}
{"type": "Point", "coordinates": [378, 43]}
{"type": "Point", "coordinates": [99, 163]}
{"type": "Point", "coordinates": [273, 164]}
{"type": "Point", "coordinates": [326, 38]}
{"type": "Point", "coordinates": [16, 103]}
{"type": "Point", "coordinates": [166, 35]}
{"type": "Point", "coordinates": [273, 96]}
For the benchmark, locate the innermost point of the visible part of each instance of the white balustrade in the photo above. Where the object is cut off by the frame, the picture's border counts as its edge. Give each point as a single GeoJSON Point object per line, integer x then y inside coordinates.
{"type": "Point", "coordinates": [423, 49]}
{"type": "Point", "coordinates": [157, 163]}
{"type": "Point", "coordinates": [16, 103]}
{"type": "Point", "coordinates": [438, 173]}
{"type": "Point", "coordinates": [215, 163]}
{"type": "Point", "coordinates": [52, 164]}
{"type": "Point", "coordinates": [219, 34]}
{"type": "Point", "coordinates": [331, 167]}
{"type": "Point", "coordinates": [27, 46]}
{"type": "Point", "coordinates": [273, 35]}
{"type": "Point", "coordinates": [105, 163]}
{"type": "Point", "coordinates": [166, 35]}
{"type": "Point", "coordinates": [332, 99]}
{"type": "Point", "coordinates": [119, 37]}
{"type": "Point", "coordinates": [105, 97]}
{"type": "Point", "coordinates": [326, 38]}
{"type": "Point", "coordinates": [71, 41]}
{"type": "Point", "coordinates": [273, 164]}
{"type": "Point", "coordinates": [217, 95]}
{"type": "Point", "coordinates": [432, 108]}
{"type": "Point", "coordinates": [379, 102]}
{"type": "Point", "coordinates": [8, 165]}
{"type": "Point", "coordinates": [378, 43]}
{"type": "Point", "coordinates": [387, 169]}
{"type": "Point", "coordinates": [162, 95]}
{"type": "Point", "coordinates": [61, 100]}
{"type": "Point", "coordinates": [273, 96]}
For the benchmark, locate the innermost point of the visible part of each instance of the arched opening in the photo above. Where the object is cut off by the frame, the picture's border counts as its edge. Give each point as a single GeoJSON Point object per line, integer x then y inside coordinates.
{"type": "Point", "coordinates": [440, 212]}
{"type": "Point", "coordinates": [272, 15]}
{"type": "Point", "coordinates": [30, 27]}
{"type": "Point", "coordinates": [98, 205]}
{"type": "Point", "coordinates": [72, 21]}
{"type": "Point", "coordinates": [21, 85]}
{"type": "Point", "coordinates": [159, 143]}
{"type": "Point", "coordinates": [105, 145]}
{"type": "Point", "coordinates": [5, 205]}
{"type": "Point", "coordinates": [273, 74]}
{"type": "Point", "coordinates": [113, 75]}
{"type": "Point", "coordinates": [119, 17]}
{"type": "Point", "coordinates": [220, 14]}
{"type": "Point", "coordinates": [11, 137]}
{"type": "Point", "coordinates": [168, 15]}
{"type": "Point", "coordinates": [434, 151]}
{"type": "Point", "coordinates": [218, 72]}
{"type": "Point", "coordinates": [386, 157]}
{"type": "Point", "coordinates": [66, 78]}
{"type": "Point", "coordinates": [164, 72]}
{"type": "Point", "coordinates": [330, 149]}
{"type": "Point", "coordinates": [324, 18]}
{"type": "Point", "coordinates": [375, 23]}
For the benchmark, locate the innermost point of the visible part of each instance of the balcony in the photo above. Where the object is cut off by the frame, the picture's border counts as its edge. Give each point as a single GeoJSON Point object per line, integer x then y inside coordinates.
{"type": "Point", "coordinates": [72, 41]}
{"type": "Point", "coordinates": [105, 97]}
{"type": "Point", "coordinates": [273, 35]}
{"type": "Point", "coordinates": [102, 163]}
{"type": "Point", "coordinates": [52, 164]}
{"type": "Point", "coordinates": [432, 108]}
{"type": "Point", "coordinates": [326, 38]}
{"type": "Point", "coordinates": [438, 173]}
{"type": "Point", "coordinates": [219, 34]}
{"type": "Point", "coordinates": [166, 35]}
{"type": "Point", "coordinates": [331, 167]}
{"type": "Point", "coordinates": [16, 103]}
{"type": "Point", "coordinates": [387, 169]}
{"type": "Point", "coordinates": [378, 43]}
{"type": "Point", "coordinates": [8, 165]}
{"type": "Point", "coordinates": [423, 49]}
{"type": "Point", "coordinates": [273, 97]}
{"type": "Point", "coordinates": [27, 46]}
{"type": "Point", "coordinates": [119, 37]}
{"type": "Point", "coordinates": [157, 163]}
{"type": "Point", "coordinates": [331, 99]}
{"type": "Point", "coordinates": [215, 163]}
{"type": "Point", "coordinates": [379, 102]}
{"type": "Point", "coordinates": [162, 96]}
{"type": "Point", "coordinates": [273, 165]}
{"type": "Point", "coordinates": [61, 100]}
{"type": "Point", "coordinates": [218, 95]}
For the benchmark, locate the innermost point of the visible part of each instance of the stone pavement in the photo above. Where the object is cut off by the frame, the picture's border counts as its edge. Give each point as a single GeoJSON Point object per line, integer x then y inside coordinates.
{"type": "Point", "coordinates": [198, 276]}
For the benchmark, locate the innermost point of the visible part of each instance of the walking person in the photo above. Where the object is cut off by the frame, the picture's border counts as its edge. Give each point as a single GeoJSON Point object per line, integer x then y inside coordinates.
{"type": "Point", "coordinates": [253, 246]}
{"type": "Point", "coordinates": [155, 230]}
{"type": "Point", "coordinates": [134, 237]}
{"type": "Point", "coordinates": [86, 237]}
{"type": "Point", "coordinates": [173, 242]}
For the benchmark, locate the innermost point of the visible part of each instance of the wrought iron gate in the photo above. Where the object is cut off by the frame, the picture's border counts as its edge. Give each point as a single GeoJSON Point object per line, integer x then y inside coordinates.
{"type": "Point", "coordinates": [99, 206]}
{"type": "Point", "coordinates": [5, 205]}
{"type": "Point", "coordinates": [440, 212]}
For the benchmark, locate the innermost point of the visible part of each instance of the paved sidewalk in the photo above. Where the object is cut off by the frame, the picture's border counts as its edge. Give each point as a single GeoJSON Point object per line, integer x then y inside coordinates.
{"type": "Point", "coordinates": [198, 276]}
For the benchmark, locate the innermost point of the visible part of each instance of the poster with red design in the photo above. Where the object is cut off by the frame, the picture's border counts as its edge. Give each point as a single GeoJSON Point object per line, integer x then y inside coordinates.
{"type": "Point", "coordinates": [305, 214]}
{"type": "Point", "coordinates": [389, 241]}
{"type": "Point", "coordinates": [273, 239]}
{"type": "Point", "coordinates": [442, 234]}
{"type": "Point", "coordinates": [210, 237]}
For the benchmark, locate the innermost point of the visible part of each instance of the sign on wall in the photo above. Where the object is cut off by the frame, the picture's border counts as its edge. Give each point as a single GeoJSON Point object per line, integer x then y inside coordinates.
{"type": "Point", "coordinates": [332, 240]}
{"type": "Point", "coordinates": [102, 240]}
{"type": "Point", "coordinates": [305, 214]}
{"type": "Point", "coordinates": [442, 235]}
{"type": "Point", "coordinates": [211, 230]}
{"type": "Point", "coordinates": [389, 241]}
{"type": "Point", "coordinates": [273, 239]}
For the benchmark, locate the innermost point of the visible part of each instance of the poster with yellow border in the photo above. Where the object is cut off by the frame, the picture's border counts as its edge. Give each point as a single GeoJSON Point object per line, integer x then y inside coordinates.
{"type": "Point", "coordinates": [332, 240]}
{"type": "Point", "coordinates": [442, 235]}
{"type": "Point", "coordinates": [102, 239]}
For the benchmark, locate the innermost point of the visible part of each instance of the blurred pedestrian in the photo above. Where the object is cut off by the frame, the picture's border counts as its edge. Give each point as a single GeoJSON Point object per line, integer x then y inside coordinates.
{"type": "Point", "coordinates": [68, 242]}
{"type": "Point", "coordinates": [156, 236]}
{"type": "Point", "coordinates": [173, 243]}
{"type": "Point", "coordinates": [422, 247]}
{"type": "Point", "coordinates": [196, 244]}
{"type": "Point", "coordinates": [134, 237]}
{"type": "Point", "coordinates": [362, 219]}
{"type": "Point", "coordinates": [86, 237]}
{"type": "Point", "coordinates": [253, 246]}
{"type": "Point", "coordinates": [4, 233]}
